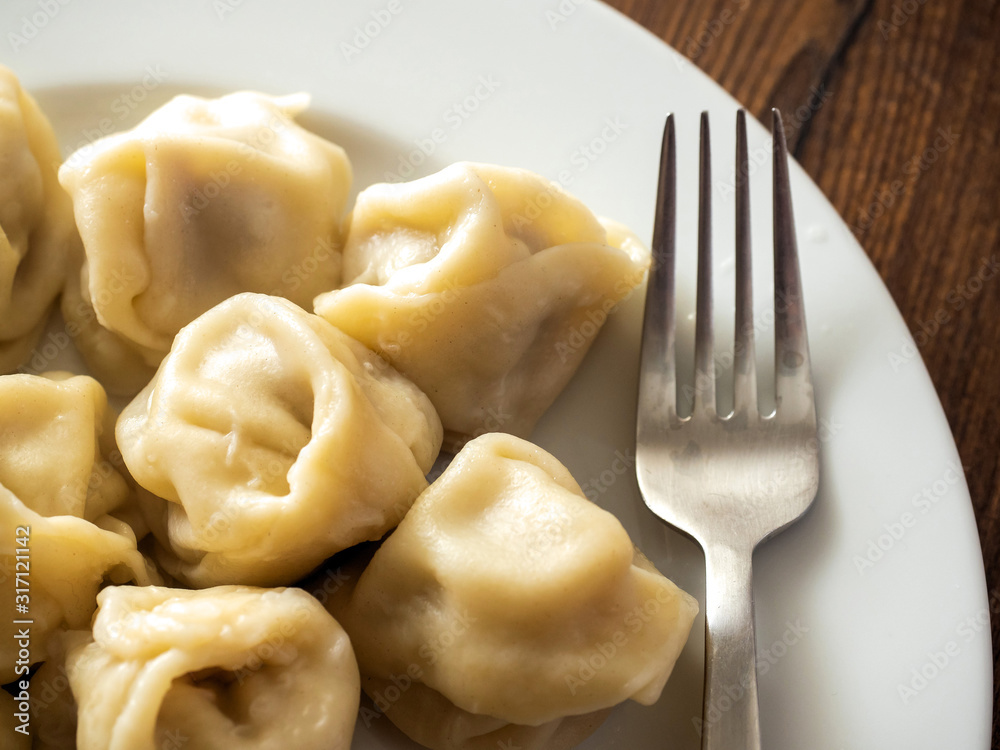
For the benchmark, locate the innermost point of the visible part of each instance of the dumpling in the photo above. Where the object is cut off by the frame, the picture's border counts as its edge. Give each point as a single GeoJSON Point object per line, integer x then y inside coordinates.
{"type": "Point", "coordinates": [202, 200]}
{"type": "Point", "coordinates": [274, 441]}
{"type": "Point", "coordinates": [64, 562]}
{"type": "Point", "coordinates": [230, 667]}
{"type": "Point", "coordinates": [506, 607]}
{"type": "Point", "coordinates": [485, 286]}
{"type": "Point", "coordinates": [37, 234]}
{"type": "Point", "coordinates": [57, 446]}
{"type": "Point", "coordinates": [62, 504]}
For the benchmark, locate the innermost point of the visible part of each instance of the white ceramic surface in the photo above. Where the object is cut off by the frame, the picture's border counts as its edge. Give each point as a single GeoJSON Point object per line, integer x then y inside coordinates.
{"type": "Point", "coordinates": [872, 615]}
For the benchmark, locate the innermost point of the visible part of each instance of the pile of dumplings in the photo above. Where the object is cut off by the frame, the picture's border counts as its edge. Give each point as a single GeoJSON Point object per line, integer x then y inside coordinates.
{"type": "Point", "coordinates": [252, 542]}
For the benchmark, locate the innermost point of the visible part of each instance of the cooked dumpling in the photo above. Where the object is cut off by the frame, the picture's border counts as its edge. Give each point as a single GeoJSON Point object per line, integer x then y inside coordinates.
{"type": "Point", "coordinates": [229, 667]}
{"type": "Point", "coordinates": [69, 559]}
{"type": "Point", "coordinates": [37, 233]}
{"type": "Point", "coordinates": [59, 481]}
{"type": "Point", "coordinates": [483, 285]}
{"type": "Point", "coordinates": [62, 501]}
{"type": "Point", "coordinates": [274, 441]}
{"type": "Point", "coordinates": [510, 602]}
{"type": "Point", "coordinates": [202, 200]}
{"type": "Point", "coordinates": [57, 446]}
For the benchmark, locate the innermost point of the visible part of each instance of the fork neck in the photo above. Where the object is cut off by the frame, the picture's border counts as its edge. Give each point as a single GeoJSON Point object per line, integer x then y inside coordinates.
{"type": "Point", "coordinates": [730, 717]}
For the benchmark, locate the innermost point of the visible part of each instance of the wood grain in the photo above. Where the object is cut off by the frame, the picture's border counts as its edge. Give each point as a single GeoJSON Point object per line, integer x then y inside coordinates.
{"type": "Point", "coordinates": [906, 145]}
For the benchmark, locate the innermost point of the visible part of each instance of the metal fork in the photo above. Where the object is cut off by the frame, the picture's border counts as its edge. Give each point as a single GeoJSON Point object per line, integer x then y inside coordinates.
{"type": "Point", "coordinates": [728, 481]}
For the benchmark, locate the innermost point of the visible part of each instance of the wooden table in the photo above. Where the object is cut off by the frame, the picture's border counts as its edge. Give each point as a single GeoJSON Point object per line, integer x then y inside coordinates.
{"type": "Point", "coordinates": [906, 144]}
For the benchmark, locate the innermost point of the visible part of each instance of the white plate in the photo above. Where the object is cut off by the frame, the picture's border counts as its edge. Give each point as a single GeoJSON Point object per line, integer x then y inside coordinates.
{"type": "Point", "coordinates": [872, 617]}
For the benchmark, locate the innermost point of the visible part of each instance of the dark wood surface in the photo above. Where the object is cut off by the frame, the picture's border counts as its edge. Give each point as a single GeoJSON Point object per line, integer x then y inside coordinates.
{"type": "Point", "coordinates": [906, 145]}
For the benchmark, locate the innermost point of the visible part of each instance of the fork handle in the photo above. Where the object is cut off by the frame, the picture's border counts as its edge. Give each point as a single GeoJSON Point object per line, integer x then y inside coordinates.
{"type": "Point", "coordinates": [730, 718]}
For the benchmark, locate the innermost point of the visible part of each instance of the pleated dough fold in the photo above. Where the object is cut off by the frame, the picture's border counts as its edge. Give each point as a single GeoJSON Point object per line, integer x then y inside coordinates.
{"type": "Point", "coordinates": [230, 667]}
{"type": "Point", "coordinates": [506, 602]}
{"type": "Point", "coordinates": [204, 199]}
{"type": "Point", "coordinates": [38, 238]}
{"type": "Point", "coordinates": [268, 441]}
{"type": "Point", "coordinates": [485, 286]}
{"type": "Point", "coordinates": [67, 509]}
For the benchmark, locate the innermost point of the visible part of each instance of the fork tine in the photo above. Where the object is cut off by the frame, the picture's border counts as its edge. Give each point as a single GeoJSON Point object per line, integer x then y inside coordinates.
{"type": "Point", "coordinates": [714, 478]}
{"type": "Point", "coordinates": [658, 385]}
{"type": "Point", "coordinates": [745, 372]}
{"type": "Point", "coordinates": [704, 353]}
{"type": "Point", "coordinates": [793, 378]}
